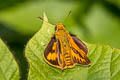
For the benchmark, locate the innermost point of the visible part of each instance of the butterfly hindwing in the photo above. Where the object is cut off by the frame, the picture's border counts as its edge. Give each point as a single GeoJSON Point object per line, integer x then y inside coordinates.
{"type": "Point", "coordinates": [50, 53]}
{"type": "Point", "coordinates": [79, 57]}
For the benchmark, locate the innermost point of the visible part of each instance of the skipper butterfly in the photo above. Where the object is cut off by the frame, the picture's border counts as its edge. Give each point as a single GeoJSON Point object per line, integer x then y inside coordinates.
{"type": "Point", "coordinates": [65, 50]}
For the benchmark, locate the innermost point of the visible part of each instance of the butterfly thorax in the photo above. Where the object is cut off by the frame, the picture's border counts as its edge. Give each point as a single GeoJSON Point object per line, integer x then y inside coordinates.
{"type": "Point", "coordinates": [62, 36]}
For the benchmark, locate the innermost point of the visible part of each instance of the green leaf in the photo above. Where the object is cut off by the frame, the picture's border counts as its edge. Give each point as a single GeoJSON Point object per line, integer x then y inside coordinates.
{"type": "Point", "coordinates": [105, 61]}
{"type": "Point", "coordinates": [8, 67]}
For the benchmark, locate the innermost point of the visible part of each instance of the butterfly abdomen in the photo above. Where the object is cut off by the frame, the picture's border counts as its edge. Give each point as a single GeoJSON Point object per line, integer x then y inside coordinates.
{"type": "Point", "coordinates": [67, 58]}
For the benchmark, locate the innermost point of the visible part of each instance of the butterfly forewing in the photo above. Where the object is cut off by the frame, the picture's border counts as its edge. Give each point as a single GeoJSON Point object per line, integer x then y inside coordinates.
{"type": "Point", "coordinates": [80, 44]}
{"type": "Point", "coordinates": [79, 51]}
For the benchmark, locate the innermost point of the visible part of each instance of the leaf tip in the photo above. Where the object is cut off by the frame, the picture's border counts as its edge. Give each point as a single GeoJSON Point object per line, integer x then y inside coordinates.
{"type": "Point", "coordinates": [45, 17]}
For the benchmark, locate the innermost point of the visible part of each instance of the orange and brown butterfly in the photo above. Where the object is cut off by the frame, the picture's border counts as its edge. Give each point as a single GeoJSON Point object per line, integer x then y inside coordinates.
{"type": "Point", "coordinates": [65, 50]}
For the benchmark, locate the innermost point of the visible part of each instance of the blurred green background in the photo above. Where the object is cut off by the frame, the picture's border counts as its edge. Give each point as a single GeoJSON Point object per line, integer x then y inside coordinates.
{"type": "Point", "coordinates": [94, 21]}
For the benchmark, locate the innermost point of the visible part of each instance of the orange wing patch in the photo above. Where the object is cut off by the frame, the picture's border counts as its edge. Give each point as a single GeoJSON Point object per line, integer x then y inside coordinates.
{"type": "Point", "coordinates": [77, 58]}
{"type": "Point", "coordinates": [53, 55]}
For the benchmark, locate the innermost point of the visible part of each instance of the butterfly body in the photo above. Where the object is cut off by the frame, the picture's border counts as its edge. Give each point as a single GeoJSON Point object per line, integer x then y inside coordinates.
{"type": "Point", "coordinates": [62, 36]}
{"type": "Point", "coordinates": [65, 51]}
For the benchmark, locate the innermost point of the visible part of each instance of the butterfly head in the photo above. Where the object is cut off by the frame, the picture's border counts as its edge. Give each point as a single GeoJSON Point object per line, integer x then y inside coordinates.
{"type": "Point", "coordinates": [59, 26]}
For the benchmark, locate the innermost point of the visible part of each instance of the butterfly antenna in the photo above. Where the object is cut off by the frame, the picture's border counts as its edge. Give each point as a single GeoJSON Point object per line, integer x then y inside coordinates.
{"type": "Point", "coordinates": [67, 15]}
{"type": "Point", "coordinates": [44, 20]}
{"type": "Point", "coordinates": [40, 18]}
